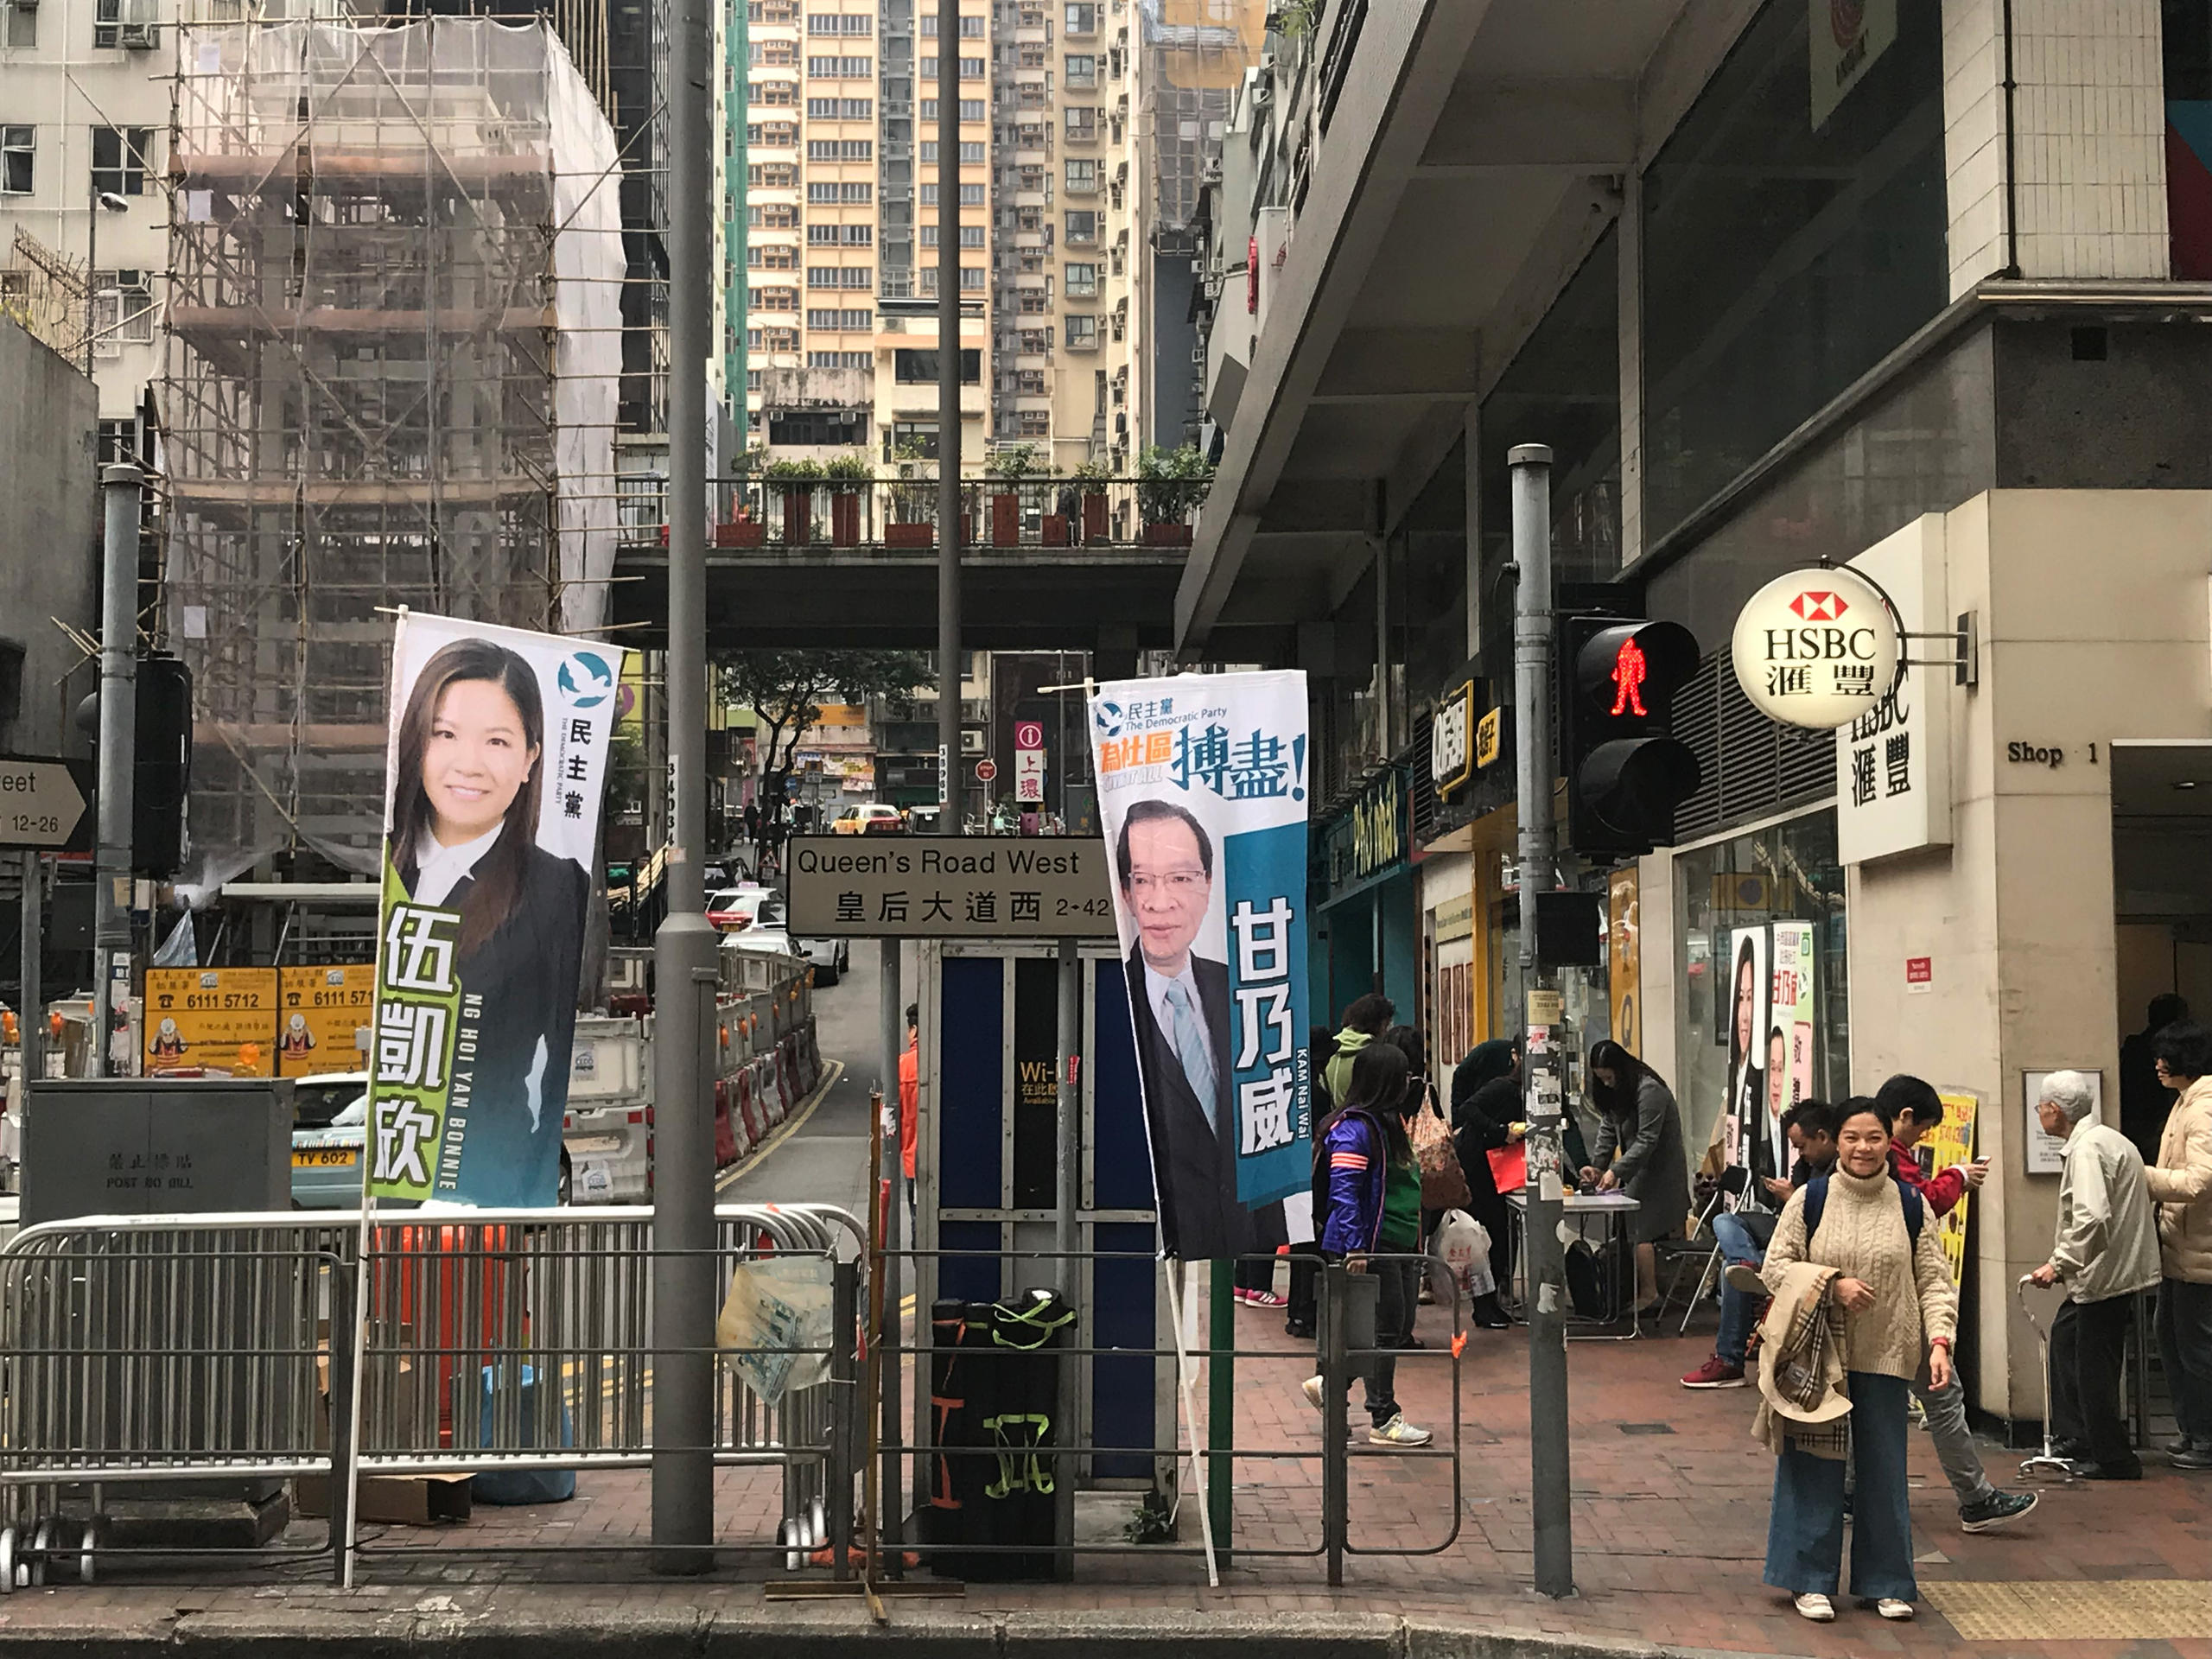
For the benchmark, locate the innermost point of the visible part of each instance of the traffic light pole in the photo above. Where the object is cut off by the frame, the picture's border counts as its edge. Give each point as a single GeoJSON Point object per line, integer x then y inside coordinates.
{"type": "Point", "coordinates": [1545, 1257]}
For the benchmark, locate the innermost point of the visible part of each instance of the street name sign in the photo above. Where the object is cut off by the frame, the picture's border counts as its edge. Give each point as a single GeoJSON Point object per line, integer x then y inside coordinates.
{"type": "Point", "coordinates": [43, 803]}
{"type": "Point", "coordinates": [950, 887]}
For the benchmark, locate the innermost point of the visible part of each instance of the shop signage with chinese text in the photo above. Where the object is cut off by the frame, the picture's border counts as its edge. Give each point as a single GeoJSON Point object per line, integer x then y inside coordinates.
{"type": "Point", "coordinates": [1893, 762]}
{"type": "Point", "coordinates": [1815, 648]}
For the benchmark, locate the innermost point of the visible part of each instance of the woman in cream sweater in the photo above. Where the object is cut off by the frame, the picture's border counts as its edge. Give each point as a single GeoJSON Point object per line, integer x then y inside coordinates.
{"type": "Point", "coordinates": [1898, 1304]}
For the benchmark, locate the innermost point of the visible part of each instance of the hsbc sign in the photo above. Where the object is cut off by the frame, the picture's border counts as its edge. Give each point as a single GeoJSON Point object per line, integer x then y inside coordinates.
{"type": "Point", "coordinates": [1816, 648]}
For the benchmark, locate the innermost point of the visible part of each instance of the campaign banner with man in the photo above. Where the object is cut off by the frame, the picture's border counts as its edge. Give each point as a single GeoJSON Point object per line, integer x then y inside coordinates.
{"type": "Point", "coordinates": [497, 761]}
{"type": "Point", "coordinates": [1202, 786]}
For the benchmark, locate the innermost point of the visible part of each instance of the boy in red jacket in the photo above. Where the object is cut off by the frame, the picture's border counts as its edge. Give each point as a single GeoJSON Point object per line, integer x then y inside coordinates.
{"type": "Point", "coordinates": [1917, 1109]}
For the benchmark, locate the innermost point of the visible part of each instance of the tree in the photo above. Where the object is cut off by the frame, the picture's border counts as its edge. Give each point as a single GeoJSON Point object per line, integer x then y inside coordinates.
{"type": "Point", "coordinates": [785, 690]}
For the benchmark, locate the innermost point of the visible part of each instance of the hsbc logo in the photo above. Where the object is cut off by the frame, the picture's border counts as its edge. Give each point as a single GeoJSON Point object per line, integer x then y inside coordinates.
{"type": "Point", "coordinates": [1818, 606]}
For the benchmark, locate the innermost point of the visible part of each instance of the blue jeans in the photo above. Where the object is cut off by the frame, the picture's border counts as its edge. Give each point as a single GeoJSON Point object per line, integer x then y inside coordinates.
{"type": "Point", "coordinates": [1804, 1534]}
{"type": "Point", "coordinates": [1736, 1245]}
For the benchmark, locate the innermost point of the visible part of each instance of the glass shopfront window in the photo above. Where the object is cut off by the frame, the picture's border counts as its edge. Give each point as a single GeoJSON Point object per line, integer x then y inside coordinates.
{"type": "Point", "coordinates": [1774, 899]}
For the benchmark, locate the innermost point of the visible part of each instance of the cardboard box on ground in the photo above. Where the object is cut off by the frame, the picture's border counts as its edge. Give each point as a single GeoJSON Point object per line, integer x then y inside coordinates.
{"type": "Point", "coordinates": [403, 1500]}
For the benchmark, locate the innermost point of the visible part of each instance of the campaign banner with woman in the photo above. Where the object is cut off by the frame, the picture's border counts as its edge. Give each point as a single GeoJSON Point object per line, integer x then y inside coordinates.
{"type": "Point", "coordinates": [1202, 786]}
{"type": "Point", "coordinates": [1750, 1041]}
{"type": "Point", "coordinates": [496, 765]}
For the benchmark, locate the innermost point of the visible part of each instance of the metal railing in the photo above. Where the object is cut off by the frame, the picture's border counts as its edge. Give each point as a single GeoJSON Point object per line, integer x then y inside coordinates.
{"type": "Point", "coordinates": [897, 511]}
{"type": "Point", "coordinates": [153, 1349]}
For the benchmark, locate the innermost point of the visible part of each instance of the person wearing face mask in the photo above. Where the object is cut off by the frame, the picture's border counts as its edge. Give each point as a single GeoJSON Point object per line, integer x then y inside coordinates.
{"type": "Point", "coordinates": [469, 778]}
{"type": "Point", "coordinates": [1857, 1252]}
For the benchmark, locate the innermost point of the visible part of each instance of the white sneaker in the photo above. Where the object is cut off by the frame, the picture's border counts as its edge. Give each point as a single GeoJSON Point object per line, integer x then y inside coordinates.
{"type": "Point", "coordinates": [1399, 1431]}
{"type": "Point", "coordinates": [1890, 1607]}
{"type": "Point", "coordinates": [1312, 1389]}
{"type": "Point", "coordinates": [1816, 1607]}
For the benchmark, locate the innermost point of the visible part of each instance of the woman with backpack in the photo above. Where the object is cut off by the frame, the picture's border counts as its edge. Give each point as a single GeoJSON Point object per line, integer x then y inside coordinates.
{"type": "Point", "coordinates": [1861, 1292]}
{"type": "Point", "coordinates": [1366, 1203]}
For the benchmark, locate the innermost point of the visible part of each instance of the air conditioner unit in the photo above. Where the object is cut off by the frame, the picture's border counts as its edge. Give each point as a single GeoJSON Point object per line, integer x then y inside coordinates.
{"type": "Point", "coordinates": [139, 37]}
{"type": "Point", "coordinates": [971, 742]}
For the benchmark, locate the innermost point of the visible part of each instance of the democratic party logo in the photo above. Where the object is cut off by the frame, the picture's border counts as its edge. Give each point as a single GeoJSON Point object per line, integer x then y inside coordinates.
{"type": "Point", "coordinates": [585, 680]}
{"type": "Point", "coordinates": [1107, 716]}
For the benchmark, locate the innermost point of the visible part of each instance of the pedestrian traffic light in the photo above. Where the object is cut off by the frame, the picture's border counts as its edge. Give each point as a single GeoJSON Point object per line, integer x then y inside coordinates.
{"type": "Point", "coordinates": [162, 769]}
{"type": "Point", "coordinates": [1625, 773]}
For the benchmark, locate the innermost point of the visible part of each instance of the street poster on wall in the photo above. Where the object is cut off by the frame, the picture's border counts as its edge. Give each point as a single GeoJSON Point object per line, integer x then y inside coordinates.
{"type": "Point", "coordinates": [322, 1013]}
{"type": "Point", "coordinates": [1203, 787]}
{"type": "Point", "coordinates": [1951, 1143]}
{"type": "Point", "coordinates": [1746, 1032]}
{"type": "Point", "coordinates": [496, 763]}
{"type": "Point", "coordinates": [220, 1020]}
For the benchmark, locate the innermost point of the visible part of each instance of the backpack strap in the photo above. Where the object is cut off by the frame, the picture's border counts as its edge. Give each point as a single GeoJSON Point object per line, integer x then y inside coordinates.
{"type": "Point", "coordinates": [1915, 1209]}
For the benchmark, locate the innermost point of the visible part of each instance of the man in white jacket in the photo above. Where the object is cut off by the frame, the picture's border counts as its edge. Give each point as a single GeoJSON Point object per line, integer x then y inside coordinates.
{"type": "Point", "coordinates": [2106, 1255]}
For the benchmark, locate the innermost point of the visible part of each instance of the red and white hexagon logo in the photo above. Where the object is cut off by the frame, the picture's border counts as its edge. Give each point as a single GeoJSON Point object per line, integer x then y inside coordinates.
{"type": "Point", "coordinates": [1814, 607]}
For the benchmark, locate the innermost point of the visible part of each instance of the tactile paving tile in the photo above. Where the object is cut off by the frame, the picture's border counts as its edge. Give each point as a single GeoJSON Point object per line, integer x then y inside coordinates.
{"type": "Point", "coordinates": [2075, 1610]}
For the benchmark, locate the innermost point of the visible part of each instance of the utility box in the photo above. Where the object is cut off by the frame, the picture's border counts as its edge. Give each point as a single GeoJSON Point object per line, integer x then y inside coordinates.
{"type": "Point", "coordinates": [151, 1147]}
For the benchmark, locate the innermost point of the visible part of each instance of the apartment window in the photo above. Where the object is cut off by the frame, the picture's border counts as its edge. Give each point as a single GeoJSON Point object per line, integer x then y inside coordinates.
{"type": "Point", "coordinates": [840, 149]}
{"type": "Point", "coordinates": [770, 92]}
{"type": "Point", "coordinates": [970, 69]}
{"type": "Point", "coordinates": [1081, 70]}
{"type": "Point", "coordinates": [841, 68]}
{"type": "Point", "coordinates": [1082, 176]}
{"type": "Point", "coordinates": [18, 153]}
{"type": "Point", "coordinates": [753, 340]}
{"type": "Point", "coordinates": [1032, 303]}
{"type": "Point", "coordinates": [861, 23]}
{"type": "Point", "coordinates": [778, 135]}
{"type": "Point", "coordinates": [124, 23]}
{"type": "Point", "coordinates": [122, 158]}
{"type": "Point", "coordinates": [840, 194]}
{"type": "Point", "coordinates": [1081, 18]}
{"type": "Point", "coordinates": [122, 309]}
{"type": "Point", "coordinates": [972, 28]}
{"type": "Point", "coordinates": [772, 258]}
{"type": "Point", "coordinates": [970, 154]}
{"type": "Point", "coordinates": [971, 236]}
{"type": "Point", "coordinates": [780, 339]}
{"type": "Point", "coordinates": [21, 25]}
{"type": "Point", "coordinates": [858, 322]}
{"type": "Point", "coordinates": [1082, 125]}
{"type": "Point", "coordinates": [971, 109]}
{"type": "Point", "coordinates": [771, 175]}
{"type": "Point", "coordinates": [1083, 228]}
{"type": "Point", "coordinates": [1082, 281]}
{"type": "Point", "coordinates": [860, 276]}
{"type": "Point", "coordinates": [775, 54]}
{"type": "Point", "coordinates": [973, 279]}
{"type": "Point", "coordinates": [1033, 423]}
{"type": "Point", "coordinates": [840, 236]}
{"type": "Point", "coordinates": [839, 360]}
{"type": "Point", "coordinates": [773, 299]}
{"type": "Point", "coordinates": [841, 108]}
{"type": "Point", "coordinates": [971, 195]}
{"type": "Point", "coordinates": [1082, 333]}
{"type": "Point", "coordinates": [774, 216]}
{"type": "Point", "coordinates": [920, 368]}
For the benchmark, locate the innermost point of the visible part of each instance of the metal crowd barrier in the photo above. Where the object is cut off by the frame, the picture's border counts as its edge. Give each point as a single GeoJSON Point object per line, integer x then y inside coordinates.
{"type": "Point", "coordinates": [150, 1349]}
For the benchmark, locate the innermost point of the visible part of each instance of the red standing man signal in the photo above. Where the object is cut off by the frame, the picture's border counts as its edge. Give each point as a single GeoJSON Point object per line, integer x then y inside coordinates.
{"type": "Point", "coordinates": [1629, 669]}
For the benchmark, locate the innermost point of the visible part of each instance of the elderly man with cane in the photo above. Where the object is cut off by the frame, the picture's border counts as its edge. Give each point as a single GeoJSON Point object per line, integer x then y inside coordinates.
{"type": "Point", "coordinates": [2105, 1255]}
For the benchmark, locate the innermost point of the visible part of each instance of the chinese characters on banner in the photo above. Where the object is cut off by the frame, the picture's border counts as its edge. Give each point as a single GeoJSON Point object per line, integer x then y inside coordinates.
{"type": "Point", "coordinates": [497, 761]}
{"type": "Point", "coordinates": [1202, 783]}
{"type": "Point", "coordinates": [1951, 1143]}
{"type": "Point", "coordinates": [1791, 1012]}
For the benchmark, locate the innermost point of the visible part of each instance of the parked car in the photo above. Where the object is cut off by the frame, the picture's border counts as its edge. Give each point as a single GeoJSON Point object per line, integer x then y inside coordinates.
{"type": "Point", "coordinates": [871, 818]}
{"type": "Point", "coordinates": [735, 909]}
{"type": "Point", "coordinates": [330, 1120]}
{"type": "Point", "coordinates": [830, 958]}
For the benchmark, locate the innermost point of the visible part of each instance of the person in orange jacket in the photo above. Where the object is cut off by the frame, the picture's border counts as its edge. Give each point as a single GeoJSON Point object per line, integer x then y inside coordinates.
{"type": "Point", "coordinates": [910, 1089]}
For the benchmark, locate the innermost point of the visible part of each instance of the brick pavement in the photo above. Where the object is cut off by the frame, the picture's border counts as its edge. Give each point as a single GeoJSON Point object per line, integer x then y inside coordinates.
{"type": "Point", "coordinates": [1670, 1509]}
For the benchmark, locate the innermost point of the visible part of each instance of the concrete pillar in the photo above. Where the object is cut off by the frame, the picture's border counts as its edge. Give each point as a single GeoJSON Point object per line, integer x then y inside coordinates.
{"type": "Point", "coordinates": [2077, 151]}
{"type": "Point", "coordinates": [1629, 229]}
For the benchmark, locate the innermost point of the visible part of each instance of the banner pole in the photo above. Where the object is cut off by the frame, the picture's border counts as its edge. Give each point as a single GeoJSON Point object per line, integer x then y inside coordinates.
{"type": "Point", "coordinates": [1189, 1425]}
{"type": "Point", "coordinates": [349, 1503]}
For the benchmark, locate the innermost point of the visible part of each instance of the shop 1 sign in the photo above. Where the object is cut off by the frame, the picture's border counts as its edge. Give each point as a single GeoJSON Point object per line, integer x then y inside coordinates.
{"type": "Point", "coordinates": [1816, 648]}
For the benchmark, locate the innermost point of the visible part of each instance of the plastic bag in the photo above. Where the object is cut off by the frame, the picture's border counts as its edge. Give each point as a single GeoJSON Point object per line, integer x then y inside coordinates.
{"type": "Point", "coordinates": [1443, 1183]}
{"type": "Point", "coordinates": [1462, 1245]}
{"type": "Point", "coordinates": [775, 1306]}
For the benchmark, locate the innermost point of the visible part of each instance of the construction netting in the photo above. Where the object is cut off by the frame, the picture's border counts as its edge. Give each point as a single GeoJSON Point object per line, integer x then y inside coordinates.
{"type": "Point", "coordinates": [394, 352]}
{"type": "Point", "coordinates": [1197, 52]}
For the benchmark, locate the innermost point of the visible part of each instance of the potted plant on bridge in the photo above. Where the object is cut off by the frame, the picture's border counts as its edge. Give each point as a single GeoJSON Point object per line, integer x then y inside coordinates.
{"type": "Point", "coordinates": [1170, 483]}
{"type": "Point", "coordinates": [1011, 467]}
{"type": "Point", "coordinates": [846, 475]}
{"type": "Point", "coordinates": [796, 480]}
{"type": "Point", "coordinates": [912, 499]}
{"type": "Point", "coordinates": [1090, 481]}
{"type": "Point", "coordinates": [744, 528]}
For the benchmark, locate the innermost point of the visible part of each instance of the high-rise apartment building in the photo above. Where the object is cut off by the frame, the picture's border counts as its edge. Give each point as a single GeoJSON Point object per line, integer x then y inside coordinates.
{"type": "Point", "coordinates": [841, 166]}
{"type": "Point", "coordinates": [1066, 335]}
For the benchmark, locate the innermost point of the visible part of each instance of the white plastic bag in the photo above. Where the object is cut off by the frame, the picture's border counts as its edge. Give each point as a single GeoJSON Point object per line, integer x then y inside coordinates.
{"type": "Point", "coordinates": [1462, 1247]}
{"type": "Point", "coordinates": [776, 1306]}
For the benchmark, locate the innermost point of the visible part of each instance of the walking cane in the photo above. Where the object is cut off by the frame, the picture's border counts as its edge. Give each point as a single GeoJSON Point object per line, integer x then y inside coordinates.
{"type": "Point", "coordinates": [2047, 1462]}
